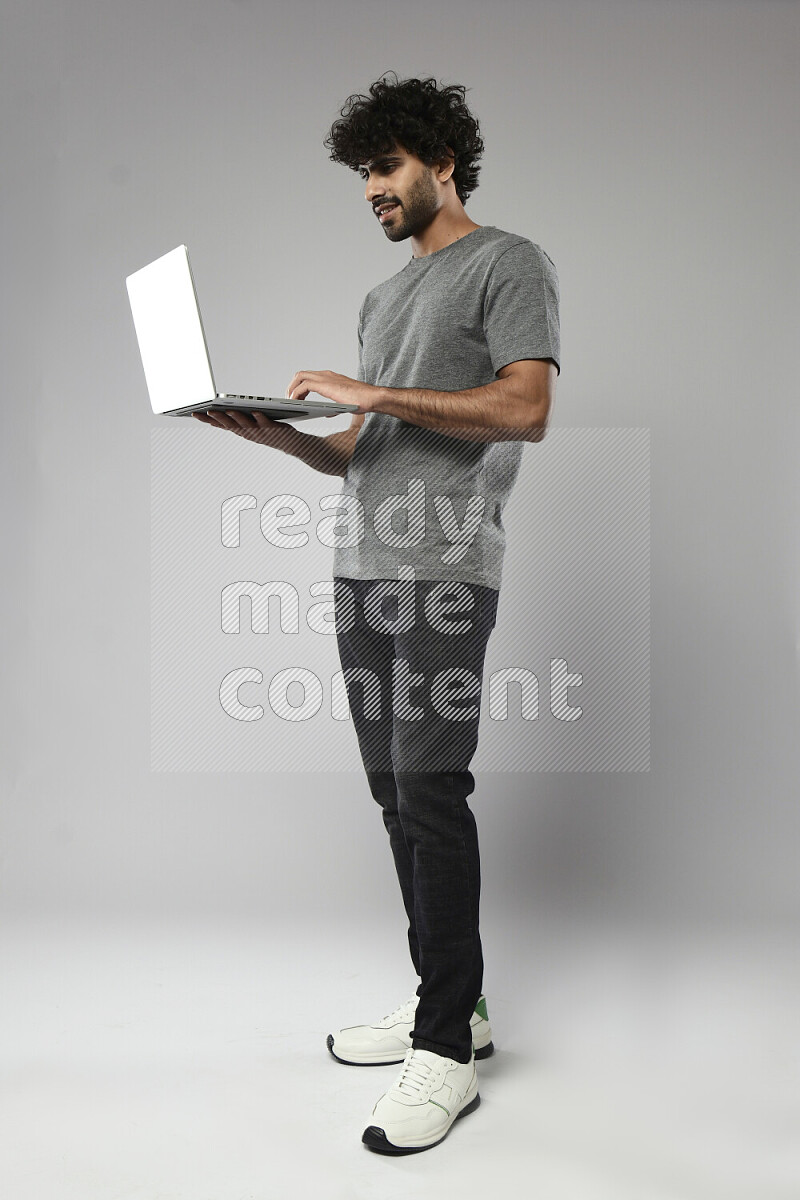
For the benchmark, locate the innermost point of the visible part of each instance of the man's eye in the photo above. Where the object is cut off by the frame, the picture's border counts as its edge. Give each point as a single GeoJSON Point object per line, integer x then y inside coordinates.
{"type": "Point", "coordinates": [386, 167]}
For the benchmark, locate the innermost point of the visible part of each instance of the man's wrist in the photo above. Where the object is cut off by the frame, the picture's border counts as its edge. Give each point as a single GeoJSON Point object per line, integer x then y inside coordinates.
{"type": "Point", "coordinates": [287, 436]}
{"type": "Point", "coordinates": [381, 399]}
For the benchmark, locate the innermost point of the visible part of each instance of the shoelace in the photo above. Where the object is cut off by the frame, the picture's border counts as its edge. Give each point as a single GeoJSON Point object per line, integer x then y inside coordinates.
{"type": "Point", "coordinates": [414, 1076]}
{"type": "Point", "coordinates": [400, 1012]}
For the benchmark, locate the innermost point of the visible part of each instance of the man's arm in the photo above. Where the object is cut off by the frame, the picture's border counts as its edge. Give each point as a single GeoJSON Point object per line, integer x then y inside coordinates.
{"type": "Point", "coordinates": [514, 407]}
{"type": "Point", "coordinates": [329, 454]}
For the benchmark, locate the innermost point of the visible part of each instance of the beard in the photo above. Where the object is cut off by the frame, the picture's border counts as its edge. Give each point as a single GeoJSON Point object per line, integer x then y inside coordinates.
{"type": "Point", "coordinates": [414, 214]}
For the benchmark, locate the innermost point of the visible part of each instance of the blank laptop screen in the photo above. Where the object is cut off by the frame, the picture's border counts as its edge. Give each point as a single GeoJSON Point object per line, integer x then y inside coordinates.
{"type": "Point", "coordinates": [170, 333]}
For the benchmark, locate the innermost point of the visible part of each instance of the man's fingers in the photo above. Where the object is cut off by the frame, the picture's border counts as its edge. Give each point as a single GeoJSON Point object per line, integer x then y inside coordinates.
{"type": "Point", "coordinates": [220, 419]}
{"type": "Point", "coordinates": [241, 419]}
{"type": "Point", "coordinates": [299, 386]}
{"type": "Point", "coordinates": [244, 422]}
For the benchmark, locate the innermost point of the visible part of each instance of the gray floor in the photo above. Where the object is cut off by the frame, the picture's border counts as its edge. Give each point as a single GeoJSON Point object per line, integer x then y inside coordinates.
{"type": "Point", "coordinates": [189, 1061]}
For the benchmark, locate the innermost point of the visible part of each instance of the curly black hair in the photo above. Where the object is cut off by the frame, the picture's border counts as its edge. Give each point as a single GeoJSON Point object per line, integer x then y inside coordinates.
{"type": "Point", "coordinates": [424, 119]}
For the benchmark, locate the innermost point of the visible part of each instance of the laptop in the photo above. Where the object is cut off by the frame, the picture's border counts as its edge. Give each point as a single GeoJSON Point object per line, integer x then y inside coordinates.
{"type": "Point", "coordinates": [172, 343]}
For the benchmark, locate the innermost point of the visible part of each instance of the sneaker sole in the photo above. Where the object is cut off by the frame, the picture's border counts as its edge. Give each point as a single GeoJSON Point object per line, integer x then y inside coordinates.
{"type": "Point", "coordinates": [374, 1137]}
{"type": "Point", "coordinates": [484, 1052]}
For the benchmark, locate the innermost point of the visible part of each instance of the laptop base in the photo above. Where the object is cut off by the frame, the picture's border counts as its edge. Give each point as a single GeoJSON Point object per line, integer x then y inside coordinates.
{"type": "Point", "coordinates": [275, 409]}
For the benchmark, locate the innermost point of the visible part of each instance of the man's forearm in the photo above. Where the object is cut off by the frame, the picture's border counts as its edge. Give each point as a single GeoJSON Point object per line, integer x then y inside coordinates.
{"type": "Point", "coordinates": [493, 413]}
{"type": "Point", "coordinates": [329, 454]}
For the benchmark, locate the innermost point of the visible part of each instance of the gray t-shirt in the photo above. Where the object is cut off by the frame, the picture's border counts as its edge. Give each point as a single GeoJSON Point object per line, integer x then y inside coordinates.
{"type": "Point", "coordinates": [447, 322]}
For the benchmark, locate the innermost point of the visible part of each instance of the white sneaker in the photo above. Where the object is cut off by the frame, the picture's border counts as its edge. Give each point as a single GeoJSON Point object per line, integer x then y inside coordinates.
{"type": "Point", "coordinates": [429, 1094]}
{"type": "Point", "coordinates": [386, 1042]}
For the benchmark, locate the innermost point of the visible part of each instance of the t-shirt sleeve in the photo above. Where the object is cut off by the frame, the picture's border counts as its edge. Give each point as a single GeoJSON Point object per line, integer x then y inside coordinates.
{"type": "Point", "coordinates": [520, 312]}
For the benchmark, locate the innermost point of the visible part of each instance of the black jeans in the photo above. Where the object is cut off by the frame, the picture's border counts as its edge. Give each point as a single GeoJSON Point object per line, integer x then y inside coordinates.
{"type": "Point", "coordinates": [417, 733]}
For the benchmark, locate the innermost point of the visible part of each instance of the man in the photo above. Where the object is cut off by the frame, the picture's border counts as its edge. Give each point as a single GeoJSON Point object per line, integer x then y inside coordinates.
{"type": "Point", "coordinates": [458, 357]}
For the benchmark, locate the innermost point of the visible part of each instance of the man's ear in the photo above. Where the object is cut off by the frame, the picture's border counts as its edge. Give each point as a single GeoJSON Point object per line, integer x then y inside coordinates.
{"type": "Point", "coordinates": [448, 161]}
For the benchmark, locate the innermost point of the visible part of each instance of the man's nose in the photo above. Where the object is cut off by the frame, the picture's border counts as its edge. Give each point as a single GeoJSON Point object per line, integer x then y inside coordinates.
{"type": "Point", "coordinates": [374, 189]}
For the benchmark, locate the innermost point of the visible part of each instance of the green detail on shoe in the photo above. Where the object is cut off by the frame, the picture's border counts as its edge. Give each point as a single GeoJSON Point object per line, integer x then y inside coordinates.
{"type": "Point", "coordinates": [441, 1106]}
{"type": "Point", "coordinates": [481, 1010]}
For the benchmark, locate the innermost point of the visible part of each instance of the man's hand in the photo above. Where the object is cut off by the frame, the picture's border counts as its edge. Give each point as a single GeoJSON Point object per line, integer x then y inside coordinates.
{"type": "Point", "coordinates": [339, 388]}
{"type": "Point", "coordinates": [254, 426]}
